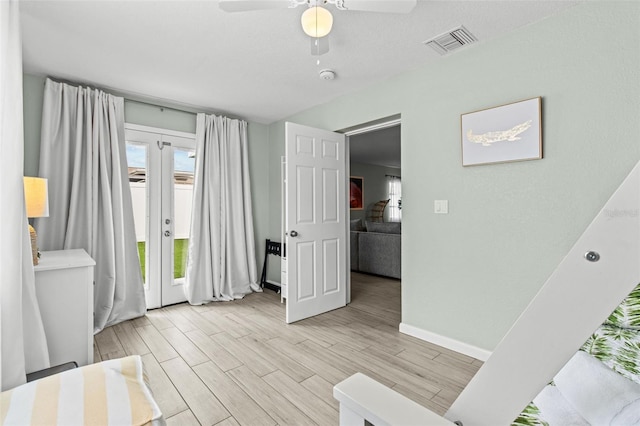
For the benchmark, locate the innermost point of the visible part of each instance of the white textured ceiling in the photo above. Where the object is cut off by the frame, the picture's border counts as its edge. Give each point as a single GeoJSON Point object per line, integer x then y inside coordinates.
{"type": "Point", "coordinates": [254, 65]}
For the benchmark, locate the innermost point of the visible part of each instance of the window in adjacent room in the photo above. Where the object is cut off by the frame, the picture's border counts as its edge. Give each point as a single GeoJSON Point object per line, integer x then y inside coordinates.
{"type": "Point", "coordinates": [395, 198]}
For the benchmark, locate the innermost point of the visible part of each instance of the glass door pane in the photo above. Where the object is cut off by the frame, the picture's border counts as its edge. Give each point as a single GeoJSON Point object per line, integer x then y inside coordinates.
{"type": "Point", "coordinates": [137, 159]}
{"type": "Point", "coordinates": [183, 169]}
{"type": "Point", "coordinates": [178, 163]}
{"type": "Point", "coordinates": [143, 158]}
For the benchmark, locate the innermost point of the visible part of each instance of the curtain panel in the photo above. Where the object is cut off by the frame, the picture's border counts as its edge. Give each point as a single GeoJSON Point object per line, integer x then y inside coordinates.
{"type": "Point", "coordinates": [83, 154]}
{"type": "Point", "coordinates": [221, 263]}
{"type": "Point", "coordinates": [23, 346]}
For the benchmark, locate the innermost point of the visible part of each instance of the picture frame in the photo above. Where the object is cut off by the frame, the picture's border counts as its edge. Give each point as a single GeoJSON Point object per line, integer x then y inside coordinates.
{"type": "Point", "coordinates": [356, 192]}
{"type": "Point", "coordinates": [502, 134]}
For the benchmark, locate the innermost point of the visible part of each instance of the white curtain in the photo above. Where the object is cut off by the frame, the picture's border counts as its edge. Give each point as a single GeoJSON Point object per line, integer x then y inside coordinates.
{"type": "Point", "coordinates": [394, 185]}
{"type": "Point", "coordinates": [221, 263]}
{"type": "Point", "coordinates": [23, 346]}
{"type": "Point", "coordinates": [83, 155]}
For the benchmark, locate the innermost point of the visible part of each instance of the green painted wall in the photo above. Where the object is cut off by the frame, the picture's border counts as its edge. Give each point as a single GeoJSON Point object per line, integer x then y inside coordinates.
{"type": "Point", "coordinates": [258, 135]}
{"type": "Point", "coordinates": [159, 116]}
{"type": "Point", "coordinates": [33, 94]}
{"type": "Point", "coordinates": [375, 186]}
{"type": "Point", "coordinates": [166, 118]}
{"type": "Point", "coordinates": [469, 274]}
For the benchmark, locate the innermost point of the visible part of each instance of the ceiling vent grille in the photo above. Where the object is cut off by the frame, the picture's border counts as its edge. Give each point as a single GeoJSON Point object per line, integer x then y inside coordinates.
{"type": "Point", "coordinates": [451, 40]}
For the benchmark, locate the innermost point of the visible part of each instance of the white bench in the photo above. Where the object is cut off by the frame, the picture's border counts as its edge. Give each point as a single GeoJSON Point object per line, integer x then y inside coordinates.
{"type": "Point", "coordinates": [362, 398]}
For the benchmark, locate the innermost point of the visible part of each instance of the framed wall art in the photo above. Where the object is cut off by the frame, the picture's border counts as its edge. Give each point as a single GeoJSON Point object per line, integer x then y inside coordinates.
{"type": "Point", "coordinates": [356, 192]}
{"type": "Point", "coordinates": [511, 132]}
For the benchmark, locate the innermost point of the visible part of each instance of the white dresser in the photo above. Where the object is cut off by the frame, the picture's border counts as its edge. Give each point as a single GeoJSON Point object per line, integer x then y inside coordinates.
{"type": "Point", "coordinates": [64, 287]}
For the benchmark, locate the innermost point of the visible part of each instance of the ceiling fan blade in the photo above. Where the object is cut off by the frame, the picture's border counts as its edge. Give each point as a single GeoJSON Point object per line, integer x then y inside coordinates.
{"type": "Point", "coordinates": [247, 5]}
{"type": "Point", "coordinates": [385, 6]}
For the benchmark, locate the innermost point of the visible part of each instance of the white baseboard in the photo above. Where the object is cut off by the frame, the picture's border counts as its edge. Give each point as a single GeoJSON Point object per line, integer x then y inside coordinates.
{"type": "Point", "coordinates": [446, 342]}
{"type": "Point", "coordinates": [274, 283]}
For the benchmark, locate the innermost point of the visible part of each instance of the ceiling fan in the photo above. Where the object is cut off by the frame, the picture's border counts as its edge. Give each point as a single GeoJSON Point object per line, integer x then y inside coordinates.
{"type": "Point", "coordinates": [317, 20]}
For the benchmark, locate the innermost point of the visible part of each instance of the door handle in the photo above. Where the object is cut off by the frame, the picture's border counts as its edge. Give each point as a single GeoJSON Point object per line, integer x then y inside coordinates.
{"type": "Point", "coordinates": [293, 233]}
{"type": "Point", "coordinates": [167, 233]}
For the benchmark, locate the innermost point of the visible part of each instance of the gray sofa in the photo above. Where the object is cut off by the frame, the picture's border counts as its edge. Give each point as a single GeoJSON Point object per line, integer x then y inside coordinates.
{"type": "Point", "coordinates": [376, 248]}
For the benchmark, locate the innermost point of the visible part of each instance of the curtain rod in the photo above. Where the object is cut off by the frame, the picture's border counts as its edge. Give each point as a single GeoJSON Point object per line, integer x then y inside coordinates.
{"type": "Point", "coordinates": [117, 92]}
{"type": "Point", "coordinates": [394, 176]}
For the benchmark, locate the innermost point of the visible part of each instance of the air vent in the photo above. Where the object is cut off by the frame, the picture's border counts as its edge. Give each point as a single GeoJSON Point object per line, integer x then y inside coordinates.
{"type": "Point", "coordinates": [451, 40]}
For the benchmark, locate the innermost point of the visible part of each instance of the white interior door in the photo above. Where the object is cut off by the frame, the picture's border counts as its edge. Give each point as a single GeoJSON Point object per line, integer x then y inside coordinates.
{"type": "Point", "coordinates": [161, 165]}
{"type": "Point", "coordinates": [315, 221]}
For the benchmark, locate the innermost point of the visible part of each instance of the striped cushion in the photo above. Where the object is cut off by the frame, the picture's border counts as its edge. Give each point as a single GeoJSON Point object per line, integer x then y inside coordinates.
{"type": "Point", "coordinates": [108, 393]}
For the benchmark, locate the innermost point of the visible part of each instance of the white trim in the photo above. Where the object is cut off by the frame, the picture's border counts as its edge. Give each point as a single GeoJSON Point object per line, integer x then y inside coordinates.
{"type": "Point", "coordinates": [347, 194]}
{"type": "Point", "coordinates": [158, 130]}
{"type": "Point", "coordinates": [445, 342]}
{"type": "Point", "coordinates": [373, 127]}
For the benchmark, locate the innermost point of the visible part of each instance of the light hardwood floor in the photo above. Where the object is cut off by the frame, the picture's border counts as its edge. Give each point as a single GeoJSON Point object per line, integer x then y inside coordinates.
{"type": "Point", "coordinates": [239, 363]}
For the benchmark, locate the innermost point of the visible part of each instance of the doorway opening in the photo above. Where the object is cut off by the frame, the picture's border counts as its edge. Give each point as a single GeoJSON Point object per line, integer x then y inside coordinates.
{"type": "Point", "coordinates": [375, 202]}
{"type": "Point", "coordinates": [320, 248]}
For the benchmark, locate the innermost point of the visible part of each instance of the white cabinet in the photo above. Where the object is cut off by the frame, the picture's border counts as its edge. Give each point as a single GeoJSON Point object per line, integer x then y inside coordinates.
{"type": "Point", "coordinates": [64, 288]}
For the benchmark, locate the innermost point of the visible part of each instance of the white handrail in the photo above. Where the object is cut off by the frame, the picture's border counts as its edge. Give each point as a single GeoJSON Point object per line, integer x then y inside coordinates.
{"type": "Point", "coordinates": [362, 398]}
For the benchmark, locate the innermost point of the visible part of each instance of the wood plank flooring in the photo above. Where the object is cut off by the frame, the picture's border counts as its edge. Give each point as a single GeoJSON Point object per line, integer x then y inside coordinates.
{"type": "Point", "coordinates": [238, 363]}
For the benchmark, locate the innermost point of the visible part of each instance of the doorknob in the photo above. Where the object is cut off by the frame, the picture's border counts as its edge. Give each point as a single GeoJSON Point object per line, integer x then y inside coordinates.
{"type": "Point", "coordinates": [293, 233]}
{"type": "Point", "coordinates": [167, 233]}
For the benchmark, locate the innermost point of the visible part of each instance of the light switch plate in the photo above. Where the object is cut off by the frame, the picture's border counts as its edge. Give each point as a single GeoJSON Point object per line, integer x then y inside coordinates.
{"type": "Point", "coordinates": [441, 206]}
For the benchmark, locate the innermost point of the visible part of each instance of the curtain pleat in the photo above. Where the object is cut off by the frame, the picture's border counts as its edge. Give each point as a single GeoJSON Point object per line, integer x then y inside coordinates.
{"type": "Point", "coordinates": [23, 346]}
{"type": "Point", "coordinates": [83, 155]}
{"type": "Point", "coordinates": [221, 262]}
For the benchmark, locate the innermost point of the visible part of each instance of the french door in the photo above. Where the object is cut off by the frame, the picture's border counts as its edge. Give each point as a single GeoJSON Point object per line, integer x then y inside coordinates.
{"type": "Point", "coordinates": [161, 166]}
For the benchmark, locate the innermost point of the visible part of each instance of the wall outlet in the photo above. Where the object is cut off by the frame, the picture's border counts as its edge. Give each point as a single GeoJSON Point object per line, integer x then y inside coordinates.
{"type": "Point", "coordinates": [441, 206]}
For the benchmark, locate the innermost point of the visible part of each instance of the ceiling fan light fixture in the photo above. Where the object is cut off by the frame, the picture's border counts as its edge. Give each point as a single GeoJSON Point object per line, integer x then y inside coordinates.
{"type": "Point", "coordinates": [316, 22]}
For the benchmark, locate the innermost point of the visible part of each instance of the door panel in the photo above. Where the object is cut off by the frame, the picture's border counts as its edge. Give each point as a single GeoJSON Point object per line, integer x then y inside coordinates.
{"type": "Point", "coordinates": [331, 258]}
{"type": "Point", "coordinates": [304, 146]}
{"type": "Point", "coordinates": [306, 277]}
{"type": "Point", "coordinates": [330, 193]}
{"type": "Point", "coordinates": [316, 209]}
{"type": "Point", "coordinates": [177, 200]}
{"type": "Point", "coordinates": [305, 196]}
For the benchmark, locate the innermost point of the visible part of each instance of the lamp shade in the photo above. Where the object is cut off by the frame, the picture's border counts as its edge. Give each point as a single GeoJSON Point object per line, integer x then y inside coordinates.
{"type": "Point", "coordinates": [36, 196]}
{"type": "Point", "coordinates": [316, 21]}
